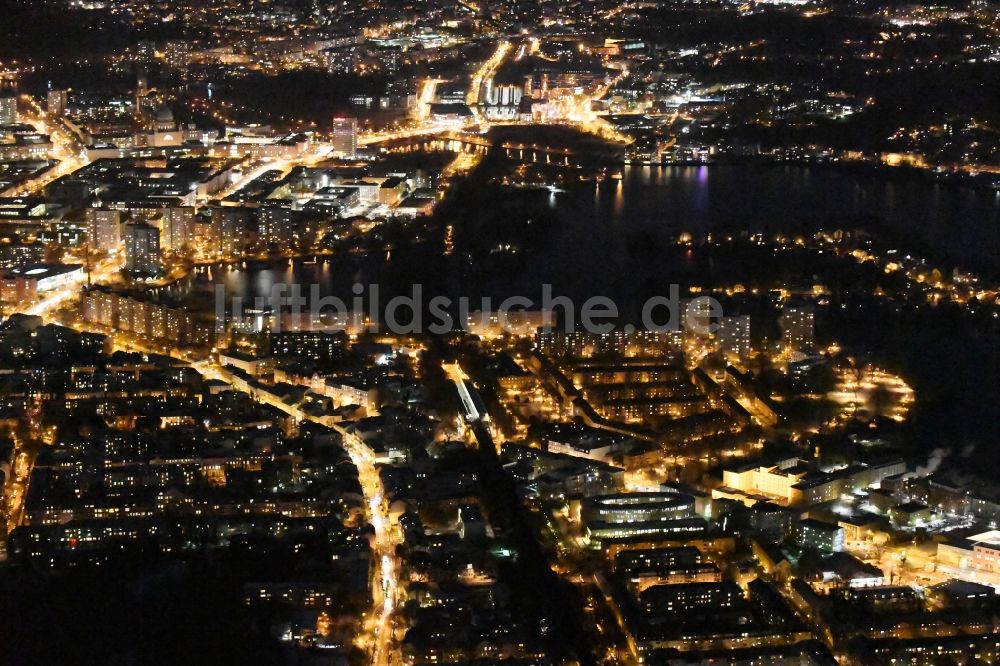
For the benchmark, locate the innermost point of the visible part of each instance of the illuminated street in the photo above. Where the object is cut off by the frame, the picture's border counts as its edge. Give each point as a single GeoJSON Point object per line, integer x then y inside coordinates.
{"type": "Point", "coordinates": [530, 333]}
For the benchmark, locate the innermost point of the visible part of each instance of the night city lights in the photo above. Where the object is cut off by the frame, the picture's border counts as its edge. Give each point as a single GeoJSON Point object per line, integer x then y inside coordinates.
{"type": "Point", "coordinates": [526, 332]}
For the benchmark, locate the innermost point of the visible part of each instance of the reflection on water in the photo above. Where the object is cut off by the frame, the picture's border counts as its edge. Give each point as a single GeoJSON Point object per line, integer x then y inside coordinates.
{"type": "Point", "coordinates": [961, 222]}
{"type": "Point", "coordinates": [610, 235]}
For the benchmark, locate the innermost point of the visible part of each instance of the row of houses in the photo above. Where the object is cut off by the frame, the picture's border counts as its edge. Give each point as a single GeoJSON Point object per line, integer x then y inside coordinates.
{"type": "Point", "coordinates": [144, 319]}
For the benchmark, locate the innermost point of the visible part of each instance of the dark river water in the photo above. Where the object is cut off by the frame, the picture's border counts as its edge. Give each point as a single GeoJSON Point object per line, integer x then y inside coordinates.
{"type": "Point", "coordinates": [607, 238]}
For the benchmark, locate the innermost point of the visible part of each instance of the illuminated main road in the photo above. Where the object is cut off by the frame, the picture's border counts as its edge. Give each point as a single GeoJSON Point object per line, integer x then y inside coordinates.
{"type": "Point", "coordinates": [485, 72]}
{"type": "Point", "coordinates": [379, 641]}
{"type": "Point", "coordinates": [381, 646]}
{"type": "Point", "coordinates": [66, 148]}
{"type": "Point", "coordinates": [427, 127]}
{"type": "Point", "coordinates": [427, 93]}
{"type": "Point", "coordinates": [17, 486]}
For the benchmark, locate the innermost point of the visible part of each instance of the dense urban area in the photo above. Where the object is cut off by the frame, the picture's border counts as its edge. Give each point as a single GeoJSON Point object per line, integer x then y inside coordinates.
{"type": "Point", "coordinates": [292, 368]}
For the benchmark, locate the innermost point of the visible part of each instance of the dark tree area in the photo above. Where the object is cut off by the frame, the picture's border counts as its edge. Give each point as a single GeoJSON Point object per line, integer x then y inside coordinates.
{"type": "Point", "coordinates": [101, 616]}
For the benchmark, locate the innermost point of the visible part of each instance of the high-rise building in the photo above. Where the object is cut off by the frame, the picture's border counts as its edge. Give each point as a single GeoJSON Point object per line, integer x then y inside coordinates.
{"type": "Point", "coordinates": [697, 316]}
{"type": "Point", "coordinates": [8, 107]}
{"type": "Point", "coordinates": [142, 248]}
{"type": "Point", "coordinates": [390, 58]}
{"type": "Point", "coordinates": [796, 326]}
{"type": "Point", "coordinates": [177, 54]}
{"type": "Point", "coordinates": [734, 336]}
{"type": "Point", "coordinates": [145, 51]}
{"type": "Point", "coordinates": [502, 94]}
{"type": "Point", "coordinates": [345, 136]}
{"type": "Point", "coordinates": [176, 228]}
{"type": "Point", "coordinates": [314, 345]}
{"type": "Point", "coordinates": [141, 91]}
{"type": "Point", "coordinates": [104, 229]}
{"type": "Point", "coordinates": [275, 223]}
{"type": "Point", "coordinates": [229, 230]}
{"type": "Point", "coordinates": [8, 98]}
{"type": "Point", "coordinates": [56, 101]}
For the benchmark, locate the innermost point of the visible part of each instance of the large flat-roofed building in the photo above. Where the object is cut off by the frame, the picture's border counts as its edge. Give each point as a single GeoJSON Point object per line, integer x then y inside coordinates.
{"type": "Point", "coordinates": [582, 442]}
{"type": "Point", "coordinates": [361, 391]}
{"type": "Point", "coordinates": [981, 502]}
{"type": "Point", "coordinates": [911, 514]}
{"type": "Point", "coordinates": [975, 558]}
{"type": "Point", "coordinates": [687, 597]}
{"type": "Point", "coordinates": [774, 481]}
{"type": "Point", "coordinates": [602, 534]}
{"type": "Point", "coordinates": [592, 449]}
{"type": "Point", "coordinates": [367, 188]}
{"type": "Point", "coordinates": [823, 536]}
{"type": "Point", "coordinates": [641, 569]}
{"type": "Point", "coordinates": [629, 562]}
{"type": "Point", "coordinates": [340, 196]}
{"type": "Point", "coordinates": [957, 593]}
{"type": "Point", "coordinates": [637, 507]}
{"type": "Point", "coordinates": [640, 390]}
{"type": "Point", "coordinates": [125, 313]}
{"type": "Point", "coordinates": [391, 191]}
{"type": "Point", "coordinates": [795, 483]}
{"type": "Point", "coordinates": [46, 277]}
{"type": "Point", "coordinates": [247, 363]}
{"type": "Point", "coordinates": [844, 569]}
{"type": "Point", "coordinates": [315, 345]}
{"type": "Point", "coordinates": [583, 344]}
